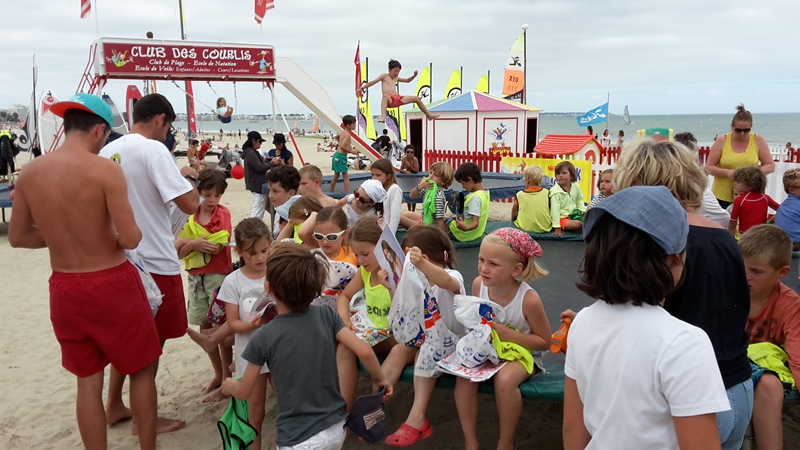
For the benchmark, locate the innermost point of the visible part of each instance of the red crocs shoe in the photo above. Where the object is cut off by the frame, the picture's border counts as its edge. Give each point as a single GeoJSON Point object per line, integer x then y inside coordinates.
{"type": "Point", "coordinates": [407, 435]}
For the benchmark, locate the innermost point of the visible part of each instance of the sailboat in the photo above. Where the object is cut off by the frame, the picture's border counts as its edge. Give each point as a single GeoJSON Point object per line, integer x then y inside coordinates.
{"type": "Point", "coordinates": [626, 116]}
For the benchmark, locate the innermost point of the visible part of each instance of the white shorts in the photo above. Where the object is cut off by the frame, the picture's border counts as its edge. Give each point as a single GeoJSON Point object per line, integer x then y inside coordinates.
{"type": "Point", "coordinates": [328, 439]}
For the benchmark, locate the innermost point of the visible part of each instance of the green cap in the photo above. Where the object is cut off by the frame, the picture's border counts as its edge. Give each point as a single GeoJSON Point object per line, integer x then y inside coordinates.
{"type": "Point", "coordinates": [85, 102]}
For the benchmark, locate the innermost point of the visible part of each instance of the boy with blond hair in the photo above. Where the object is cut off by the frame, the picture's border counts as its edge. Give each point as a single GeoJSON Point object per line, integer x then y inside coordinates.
{"type": "Point", "coordinates": [310, 182]}
{"type": "Point", "coordinates": [788, 215]}
{"type": "Point", "coordinates": [774, 318]}
{"type": "Point", "coordinates": [531, 210]}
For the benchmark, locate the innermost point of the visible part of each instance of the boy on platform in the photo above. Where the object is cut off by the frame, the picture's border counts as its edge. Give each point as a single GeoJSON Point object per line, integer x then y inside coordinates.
{"type": "Point", "coordinates": [476, 205]}
{"type": "Point", "coordinates": [310, 182]}
{"type": "Point", "coordinates": [299, 345]}
{"type": "Point", "coordinates": [531, 210]}
{"type": "Point", "coordinates": [774, 318]}
{"type": "Point", "coordinates": [788, 215]}
{"type": "Point", "coordinates": [339, 164]}
{"type": "Point", "coordinates": [203, 246]}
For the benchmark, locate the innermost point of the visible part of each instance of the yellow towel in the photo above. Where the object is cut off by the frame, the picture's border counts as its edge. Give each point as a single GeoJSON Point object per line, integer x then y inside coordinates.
{"type": "Point", "coordinates": [773, 358]}
{"type": "Point", "coordinates": [510, 351]}
{"type": "Point", "coordinates": [193, 230]}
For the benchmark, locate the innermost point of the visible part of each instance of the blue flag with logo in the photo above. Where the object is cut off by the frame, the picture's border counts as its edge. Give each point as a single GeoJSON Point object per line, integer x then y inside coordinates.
{"type": "Point", "coordinates": [595, 115]}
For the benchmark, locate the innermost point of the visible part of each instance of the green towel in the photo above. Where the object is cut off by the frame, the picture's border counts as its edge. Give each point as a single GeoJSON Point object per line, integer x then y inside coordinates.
{"type": "Point", "coordinates": [429, 203]}
{"type": "Point", "coordinates": [236, 432]}
{"type": "Point", "coordinates": [510, 351]}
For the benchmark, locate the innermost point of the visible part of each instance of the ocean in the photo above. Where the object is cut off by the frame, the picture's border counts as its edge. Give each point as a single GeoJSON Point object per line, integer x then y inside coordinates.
{"type": "Point", "coordinates": [777, 128]}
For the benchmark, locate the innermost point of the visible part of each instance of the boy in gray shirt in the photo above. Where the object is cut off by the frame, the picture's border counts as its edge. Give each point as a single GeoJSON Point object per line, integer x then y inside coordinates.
{"type": "Point", "coordinates": [299, 346]}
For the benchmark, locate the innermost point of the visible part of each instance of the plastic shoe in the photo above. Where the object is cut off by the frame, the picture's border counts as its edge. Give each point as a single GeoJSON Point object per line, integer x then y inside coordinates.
{"type": "Point", "coordinates": [407, 435]}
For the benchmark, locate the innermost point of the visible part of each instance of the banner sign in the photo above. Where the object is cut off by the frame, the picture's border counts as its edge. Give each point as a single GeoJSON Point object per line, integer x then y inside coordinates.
{"type": "Point", "coordinates": [147, 59]}
{"type": "Point", "coordinates": [583, 171]}
{"type": "Point", "coordinates": [596, 115]}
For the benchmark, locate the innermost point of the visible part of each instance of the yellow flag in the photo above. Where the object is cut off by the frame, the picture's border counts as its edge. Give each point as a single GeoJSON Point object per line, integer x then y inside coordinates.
{"type": "Point", "coordinates": [453, 88]}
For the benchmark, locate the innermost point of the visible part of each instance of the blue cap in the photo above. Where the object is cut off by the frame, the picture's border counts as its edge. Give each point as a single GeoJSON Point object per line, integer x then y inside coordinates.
{"type": "Point", "coordinates": [283, 210]}
{"type": "Point", "coordinates": [367, 418]}
{"type": "Point", "coordinates": [651, 209]}
{"type": "Point", "coordinates": [85, 102]}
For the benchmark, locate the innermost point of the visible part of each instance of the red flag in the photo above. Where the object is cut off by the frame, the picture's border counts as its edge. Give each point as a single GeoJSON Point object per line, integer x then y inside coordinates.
{"type": "Point", "coordinates": [86, 8]}
{"type": "Point", "coordinates": [357, 62]}
{"type": "Point", "coordinates": [261, 9]}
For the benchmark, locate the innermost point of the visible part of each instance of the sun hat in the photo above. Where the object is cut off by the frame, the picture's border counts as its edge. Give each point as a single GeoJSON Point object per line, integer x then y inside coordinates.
{"type": "Point", "coordinates": [651, 209]}
{"type": "Point", "coordinates": [278, 138]}
{"type": "Point", "coordinates": [283, 210]}
{"type": "Point", "coordinates": [85, 102]}
{"type": "Point", "coordinates": [374, 190]}
{"type": "Point", "coordinates": [254, 135]}
{"type": "Point", "coordinates": [367, 418]}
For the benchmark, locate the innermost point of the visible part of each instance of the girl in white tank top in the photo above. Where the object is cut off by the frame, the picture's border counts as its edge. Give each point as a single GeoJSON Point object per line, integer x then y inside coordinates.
{"type": "Point", "coordinates": [506, 261]}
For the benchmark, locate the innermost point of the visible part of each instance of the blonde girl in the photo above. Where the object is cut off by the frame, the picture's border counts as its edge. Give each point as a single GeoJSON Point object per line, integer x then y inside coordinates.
{"type": "Point", "coordinates": [327, 230]}
{"type": "Point", "coordinates": [505, 262]}
{"type": "Point", "coordinates": [383, 171]}
{"type": "Point", "coordinates": [441, 173]}
{"type": "Point", "coordinates": [363, 237]}
{"type": "Point", "coordinates": [299, 213]}
{"type": "Point", "coordinates": [431, 252]}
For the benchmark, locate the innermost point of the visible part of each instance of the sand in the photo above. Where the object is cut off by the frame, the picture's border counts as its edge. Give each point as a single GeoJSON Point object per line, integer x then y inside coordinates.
{"type": "Point", "coordinates": [37, 406]}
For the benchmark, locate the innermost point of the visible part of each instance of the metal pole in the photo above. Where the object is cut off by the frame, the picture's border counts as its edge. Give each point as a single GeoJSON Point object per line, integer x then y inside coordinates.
{"type": "Point", "coordinates": [525, 64]}
{"type": "Point", "coordinates": [461, 80]}
{"type": "Point", "coordinates": [489, 82]}
{"type": "Point", "coordinates": [189, 101]}
{"type": "Point", "coordinates": [608, 109]}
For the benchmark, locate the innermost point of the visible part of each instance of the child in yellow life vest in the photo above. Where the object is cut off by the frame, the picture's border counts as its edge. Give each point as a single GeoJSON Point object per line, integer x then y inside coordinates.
{"type": "Point", "coordinates": [363, 237]}
{"type": "Point", "coordinates": [531, 210]}
{"type": "Point", "coordinates": [203, 245]}
{"type": "Point", "coordinates": [476, 205]}
{"type": "Point", "coordinates": [566, 200]}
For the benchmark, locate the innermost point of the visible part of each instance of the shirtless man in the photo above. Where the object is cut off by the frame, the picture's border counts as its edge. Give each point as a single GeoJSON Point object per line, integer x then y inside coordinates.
{"type": "Point", "coordinates": [391, 99]}
{"type": "Point", "coordinates": [98, 308]}
{"type": "Point", "coordinates": [340, 164]}
{"type": "Point", "coordinates": [154, 182]}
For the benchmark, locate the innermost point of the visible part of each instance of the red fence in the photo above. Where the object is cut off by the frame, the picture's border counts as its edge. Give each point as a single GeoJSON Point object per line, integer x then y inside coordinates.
{"type": "Point", "coordinates": [490, 162]}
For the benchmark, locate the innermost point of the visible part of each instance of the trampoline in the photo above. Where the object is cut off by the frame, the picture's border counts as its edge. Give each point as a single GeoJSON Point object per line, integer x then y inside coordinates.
{"type": "Point", "coordinates": [500, 185]}
{"type": "Point", "coordinates": [5, 199]}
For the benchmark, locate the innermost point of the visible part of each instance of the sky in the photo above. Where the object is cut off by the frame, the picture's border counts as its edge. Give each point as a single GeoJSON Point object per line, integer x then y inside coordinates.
{"type": "Point", "coordinates": [657, 57]}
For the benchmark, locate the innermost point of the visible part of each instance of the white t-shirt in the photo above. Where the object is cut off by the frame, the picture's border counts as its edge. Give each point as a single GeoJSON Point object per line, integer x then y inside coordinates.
{"type": "Point", "coordinates": [636, 368]}
{"type": "Point", "coordinates": [445, 300]}
{"type": "Point", "coordinates": [711, 209]}
{"type": "Point", "coordinates": [473, 207]}
{"type": "Point", "coordinates": [235, 290]}
{"type": "Point", "coordinates": [391, 207]}
{"type": "Point", "coordinates": [153, 181]}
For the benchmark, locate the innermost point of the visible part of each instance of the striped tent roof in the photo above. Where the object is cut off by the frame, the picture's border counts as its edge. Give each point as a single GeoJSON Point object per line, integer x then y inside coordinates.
{"type": "Point", "coordinates": [563, 144]}
{"type": "Point", "coordinates": [475, 101]}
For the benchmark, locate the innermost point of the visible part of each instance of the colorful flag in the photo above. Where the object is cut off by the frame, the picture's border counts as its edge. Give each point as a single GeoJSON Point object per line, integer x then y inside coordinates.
{"type": "Point", "coordinates": [595, 115]}
{"type": "Point", "coordinates": [357, 62]}
{"type": "Point", "coordinates": [86, 8]}
{"type": "Point", "coordinates": [514, 77]}
{"type": "Point", "coordinates": [424, 85]}
{"type": "Point", "coordinates": [364, 111]}
{"type": "Point", "coordinates": [453, 88]}
{"type": "Point", "coordinates": [261, 9]}
{"type": "Point", "coordinates": [483, 84]}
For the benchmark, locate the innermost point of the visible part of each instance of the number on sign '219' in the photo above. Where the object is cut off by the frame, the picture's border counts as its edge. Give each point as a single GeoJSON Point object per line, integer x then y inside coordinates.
{"type": "Point", "coordinates": [513, 79]}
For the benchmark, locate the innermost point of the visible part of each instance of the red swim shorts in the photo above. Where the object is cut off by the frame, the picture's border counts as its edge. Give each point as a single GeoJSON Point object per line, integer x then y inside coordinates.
{"type": "Point", "coordinates": [171, 320]}
{"type": "Point", "coordinates": [103, 317]}
{"type": "Point", "coordinates": [395, 101]}
{"type": "Point", "coordinates": [563, 221]}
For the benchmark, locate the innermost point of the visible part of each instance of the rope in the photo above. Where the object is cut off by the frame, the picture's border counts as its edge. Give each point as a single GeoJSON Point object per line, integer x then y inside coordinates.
{"type": "Point", "coordinates": [193, 97]}
{"type": "Point", "coordinates": [212, 88]}
{"type": "Point", "coordinates": [235, 98]}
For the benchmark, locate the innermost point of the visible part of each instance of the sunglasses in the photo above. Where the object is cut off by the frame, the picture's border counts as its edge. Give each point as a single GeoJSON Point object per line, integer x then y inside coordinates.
{"type": "Point", "coordinates": [328, 237]}
{"type": "Point", "coordinates": [410, 152]}
{"type": "Point", "coordinates": [364, 200]}
{"type": "Point", "coordinates": [742, 130]}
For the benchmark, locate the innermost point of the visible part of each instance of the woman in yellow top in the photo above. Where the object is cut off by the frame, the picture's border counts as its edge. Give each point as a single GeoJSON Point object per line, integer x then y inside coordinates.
{"type": "Point", "coordinates": [738, 148]}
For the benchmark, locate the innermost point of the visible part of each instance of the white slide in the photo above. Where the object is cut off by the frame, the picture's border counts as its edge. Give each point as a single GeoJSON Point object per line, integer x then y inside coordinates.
{"type": "Point", "coordinates": [312, 94]}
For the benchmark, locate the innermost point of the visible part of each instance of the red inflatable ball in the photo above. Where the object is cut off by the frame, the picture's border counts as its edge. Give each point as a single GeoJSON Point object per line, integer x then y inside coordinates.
{"type": "Point", "coordinates": [237, 172]}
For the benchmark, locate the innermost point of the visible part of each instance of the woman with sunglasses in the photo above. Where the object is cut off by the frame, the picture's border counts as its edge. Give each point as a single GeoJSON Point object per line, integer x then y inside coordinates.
{"type": "Point", "coordinates": [736, 149]}
{"type": "Point", "coordinates": [365, 201]}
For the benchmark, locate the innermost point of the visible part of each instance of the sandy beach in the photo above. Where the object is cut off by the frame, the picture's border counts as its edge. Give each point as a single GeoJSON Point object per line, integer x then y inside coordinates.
{"type": "Point", "coordinates": [37, 407]}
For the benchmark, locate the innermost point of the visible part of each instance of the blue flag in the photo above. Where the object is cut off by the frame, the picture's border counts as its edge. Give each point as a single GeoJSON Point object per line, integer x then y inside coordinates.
{"type": "Point", "coordinates": [596, 115]}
